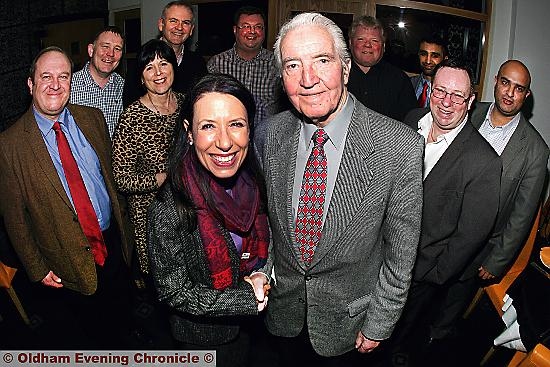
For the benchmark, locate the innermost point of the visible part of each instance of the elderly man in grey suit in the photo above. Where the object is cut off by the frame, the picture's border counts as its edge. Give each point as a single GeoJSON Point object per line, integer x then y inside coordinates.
{"type": "Point", "coordinates": [344, 189]}
{"type": "Point", "coordinates": [524, 156]}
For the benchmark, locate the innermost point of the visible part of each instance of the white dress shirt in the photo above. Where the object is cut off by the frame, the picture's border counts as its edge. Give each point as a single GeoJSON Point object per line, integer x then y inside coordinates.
{"type": "Point", "coordinates": [435, 150]}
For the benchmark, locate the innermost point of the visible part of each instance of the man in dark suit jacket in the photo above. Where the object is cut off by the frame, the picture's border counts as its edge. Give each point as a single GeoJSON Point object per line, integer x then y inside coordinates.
{"type": "Point", "coordinates": [524, 156]}
{"type": "Point", "coordinates": [461, 196]}
{"type": "Point", "coordinates": [349, 292]}
{"type": "Point", "coordinates": [175, 25]}
{"type": "Point", "coordinates": [36, 203]}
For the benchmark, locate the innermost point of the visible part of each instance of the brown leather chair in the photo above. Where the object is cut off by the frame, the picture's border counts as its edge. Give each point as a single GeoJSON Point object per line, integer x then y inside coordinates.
{"type": "Point", "coordinates": [497, 291]}
{"type": "Point", "coordinates": [6, 277]}
{"type": "Point", "coordinates": [538, 357]}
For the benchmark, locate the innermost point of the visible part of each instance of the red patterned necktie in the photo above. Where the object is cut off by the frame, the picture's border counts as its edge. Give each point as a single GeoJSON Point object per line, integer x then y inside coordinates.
{"type": "Point", "coordinates": [423, 96]}
{"type": "Point", "coordinates": [309, 218]}
{"type": "Point", "coordinates": [81, 200]}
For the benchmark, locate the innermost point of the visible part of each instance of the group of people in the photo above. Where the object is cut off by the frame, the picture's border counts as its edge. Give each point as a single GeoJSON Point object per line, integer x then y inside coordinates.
{"type": "Point", "coordinates": [345, 230]}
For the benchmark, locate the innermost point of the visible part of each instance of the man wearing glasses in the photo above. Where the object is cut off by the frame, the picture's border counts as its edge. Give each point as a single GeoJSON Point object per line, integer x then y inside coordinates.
{"type": "Point", "coordinates": [461, 198]}
{"type": "Point", "coordinates": [250, 63]}
{"type": "Point", "coordinates": [175, 25]}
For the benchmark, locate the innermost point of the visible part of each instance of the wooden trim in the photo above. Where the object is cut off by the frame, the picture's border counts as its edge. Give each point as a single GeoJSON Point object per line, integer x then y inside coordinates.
{"type": "Point", "coordinates": [485, 45]}
{"type": "Point", "coordinates": [273, 24]}
{"type": "Point", "coordinates": [434, 8]}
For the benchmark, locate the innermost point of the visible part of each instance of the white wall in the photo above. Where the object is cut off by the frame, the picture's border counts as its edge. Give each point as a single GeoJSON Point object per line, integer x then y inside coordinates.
{"type": "Point", "coordinates": [151, 11]}
{"type": "Point", "coordinates": [532, 46]}
{"type": "Point", "coordinates": [519, 30]}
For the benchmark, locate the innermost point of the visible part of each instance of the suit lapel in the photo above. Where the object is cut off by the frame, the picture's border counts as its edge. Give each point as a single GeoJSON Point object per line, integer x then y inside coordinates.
{"type": "Point", "coordinates": [451, 155]}
{"type": "Point", "coordinates": [517, 141]}
{"type": "Point", "coordinates": [42, 156]}
{"type": "Point", "coordinates": [89, 129]}
{"type": "Point", "coordinates": [515, 145]}
{"type": "Point", "coordinates": [479, 113]}
{"type": "Point", "coordinates": [354, 177]}
{"type": "Point", "coordinates": [283, 164]}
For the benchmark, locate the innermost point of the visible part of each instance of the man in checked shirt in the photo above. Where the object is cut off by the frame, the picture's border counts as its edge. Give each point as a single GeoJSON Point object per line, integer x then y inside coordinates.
{"type": "Point", "coordinates": [97, 84]}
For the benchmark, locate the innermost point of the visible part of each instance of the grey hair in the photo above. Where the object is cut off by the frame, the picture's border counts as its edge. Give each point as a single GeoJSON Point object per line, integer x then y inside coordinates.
{"type": "Point", "coordinates": [367, 22]}
{"type": "Point", "coordinates": [313, 19]}
{"type": "Point", "coordinates": [185, 4]}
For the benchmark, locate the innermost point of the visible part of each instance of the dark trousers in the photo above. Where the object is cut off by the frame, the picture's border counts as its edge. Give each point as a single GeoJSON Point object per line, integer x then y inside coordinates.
{"type": "Point", "coordinates": [411, 330]}
{"type": "Point", "coordinates": [102, 320]}
{"type": "Point", "coordinates": [248, 349]}
{"type": "Point", "coordinates": [431, 312]}
{"type": "Point", "coordinates": [298, 351]}
{"type": "Point", "coordinates": [456, 300]}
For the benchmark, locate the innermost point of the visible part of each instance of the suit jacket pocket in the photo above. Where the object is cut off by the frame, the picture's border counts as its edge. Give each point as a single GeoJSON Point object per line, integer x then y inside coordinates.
{"type": "Point", "coordinates": [441, 214]}
{"type": "Point", "coordinates": [359, 305]}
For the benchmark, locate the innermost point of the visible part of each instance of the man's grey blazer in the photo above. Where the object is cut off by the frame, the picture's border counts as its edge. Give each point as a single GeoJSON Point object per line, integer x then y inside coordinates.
{"type": "Point", "coordinates": [361, 269]}
{"type": "Point", "coordinates": [524, 170]}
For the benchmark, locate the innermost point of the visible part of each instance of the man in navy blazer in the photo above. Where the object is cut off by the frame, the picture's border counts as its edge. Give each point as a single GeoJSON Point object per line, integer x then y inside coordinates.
{"type": "Point", "coordinates": [347, 297]}
{"type": "Point", "coordinates": [461, 197]}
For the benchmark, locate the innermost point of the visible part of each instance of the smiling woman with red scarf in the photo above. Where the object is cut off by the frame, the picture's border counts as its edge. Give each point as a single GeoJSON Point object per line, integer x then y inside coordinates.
{"type": "Point", "coordinates": [207, 228]}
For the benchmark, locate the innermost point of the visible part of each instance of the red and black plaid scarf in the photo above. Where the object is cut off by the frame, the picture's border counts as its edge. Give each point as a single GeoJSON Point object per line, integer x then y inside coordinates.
{"type": "Point", "coordinates": [240, 213]}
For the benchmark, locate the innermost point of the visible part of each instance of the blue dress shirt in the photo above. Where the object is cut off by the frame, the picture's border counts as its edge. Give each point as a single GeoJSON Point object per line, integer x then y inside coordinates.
{"type": "Point", "coordinates": [86, 159]}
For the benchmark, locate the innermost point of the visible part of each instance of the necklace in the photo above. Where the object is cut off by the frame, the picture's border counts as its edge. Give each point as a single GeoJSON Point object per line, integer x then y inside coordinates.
{"type": "Point", "coordinates": [155, 107]}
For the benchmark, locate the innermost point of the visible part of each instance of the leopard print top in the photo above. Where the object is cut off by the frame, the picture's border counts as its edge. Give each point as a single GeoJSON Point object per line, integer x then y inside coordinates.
{"type": "Point", "coordinates": [140, 150]}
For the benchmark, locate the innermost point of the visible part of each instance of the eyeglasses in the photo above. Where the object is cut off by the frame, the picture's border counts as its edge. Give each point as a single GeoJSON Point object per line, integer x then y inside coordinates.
{"type": "Point", "coordinates": [185, 23]}
{"type": "Point", "coordinates": [248, 27]}
{"type": "Point", "coordinates": [440, 93]}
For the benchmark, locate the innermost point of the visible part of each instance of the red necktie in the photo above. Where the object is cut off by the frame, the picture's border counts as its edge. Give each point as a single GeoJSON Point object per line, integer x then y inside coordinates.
{"type": "Point", "coordinates": [309, 218]}
{"type": "Point", "coordinates": [82, 203]}
{"type": "Point", "coordinates": [423, 96]}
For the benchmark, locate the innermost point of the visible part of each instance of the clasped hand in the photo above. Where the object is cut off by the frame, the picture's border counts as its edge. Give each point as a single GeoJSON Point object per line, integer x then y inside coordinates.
{"type": "Point", "coordinates": [259, 284]}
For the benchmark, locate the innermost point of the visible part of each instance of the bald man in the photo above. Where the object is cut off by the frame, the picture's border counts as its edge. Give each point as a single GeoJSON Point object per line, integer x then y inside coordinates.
{"type": "Point", "coordinates": [524, 156]}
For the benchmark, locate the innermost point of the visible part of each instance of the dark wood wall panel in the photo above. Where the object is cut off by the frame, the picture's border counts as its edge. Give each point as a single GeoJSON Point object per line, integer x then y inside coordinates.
{"type": "Point", "coordinates": [22, 26]}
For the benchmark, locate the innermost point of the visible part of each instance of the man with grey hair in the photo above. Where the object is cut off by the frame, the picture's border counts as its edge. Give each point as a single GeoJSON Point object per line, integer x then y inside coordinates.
{"type": "Point", "coordinates": [376, 83]}
{"type": "Point", "coordinates": [344, 188]}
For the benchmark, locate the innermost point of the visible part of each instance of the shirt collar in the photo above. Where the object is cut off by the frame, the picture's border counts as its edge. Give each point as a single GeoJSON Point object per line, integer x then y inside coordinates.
{"type": "Point", "coordinates": [505, 128]}
{"type": "Point", "coordinates": [88, 79]}
{"type": "Point", "coordinates": [424, 80]}
{"type": "Point", "coordinates": [262, 54]}
{"type": "Point", "coordinates": [337, 128]}
{"type": "Point", "coordinates": [45, 124]}
{"type": "Point", "coordinates": [179, 56]}
{"type": "Point", "coordinates": [425, 125]}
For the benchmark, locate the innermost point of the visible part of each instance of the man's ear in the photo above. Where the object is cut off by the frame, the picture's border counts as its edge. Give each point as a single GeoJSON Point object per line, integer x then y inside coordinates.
{"type": "Point", "coordinates": [90, 49]}
{"type": "Point", "coordinates": [30, 84]}
{"type": "Point", "coordinates": [160, 24]}
{"type": "Point", "coordinates": [471, 100]}
{"type": "Point", "coordinates": [346, 70]}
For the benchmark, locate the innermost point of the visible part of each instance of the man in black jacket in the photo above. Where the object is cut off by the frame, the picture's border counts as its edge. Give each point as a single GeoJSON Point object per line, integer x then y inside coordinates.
{"type": "Point", "coordinates": [376, 83]}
